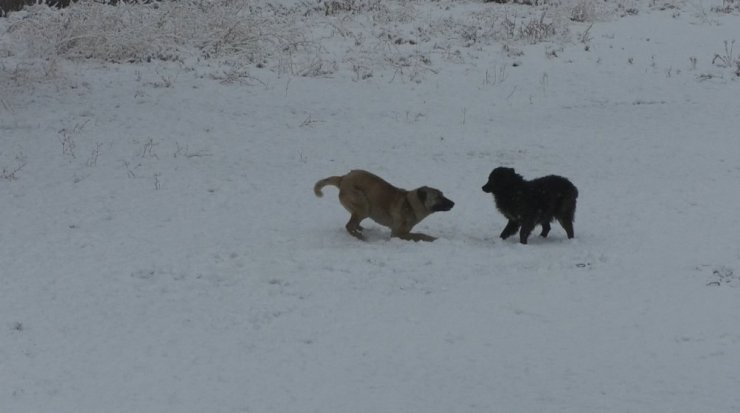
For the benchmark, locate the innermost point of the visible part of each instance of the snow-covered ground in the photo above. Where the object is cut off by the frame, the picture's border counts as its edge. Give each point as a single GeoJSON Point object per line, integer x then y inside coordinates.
{"type": "Point", "coordinates": [161, 249]}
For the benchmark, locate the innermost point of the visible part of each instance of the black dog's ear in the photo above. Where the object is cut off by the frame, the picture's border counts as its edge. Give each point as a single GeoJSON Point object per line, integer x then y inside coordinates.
{"type": "Point", "coordinates": [422, 194]}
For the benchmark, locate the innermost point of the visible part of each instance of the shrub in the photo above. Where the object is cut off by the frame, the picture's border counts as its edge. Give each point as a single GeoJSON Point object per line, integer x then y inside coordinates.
{"type": "Point", "coordinates": [583, 11]}
{"type": "Point", "coordinates": [7, 6]}
{"type": "Point", "coordinates": [537, 30]}
{"type": "Point", "coordinates": [728, 6]}
{"type": "Point", "coordinates": [128, 32]}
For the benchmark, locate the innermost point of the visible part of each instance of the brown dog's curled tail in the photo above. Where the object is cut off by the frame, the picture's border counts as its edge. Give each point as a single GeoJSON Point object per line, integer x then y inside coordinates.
{"type": "Point", "coordinates": [332, 180]}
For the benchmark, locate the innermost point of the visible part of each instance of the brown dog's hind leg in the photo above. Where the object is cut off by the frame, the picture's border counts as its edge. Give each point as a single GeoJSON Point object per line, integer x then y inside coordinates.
{"type": "Point", "coordinates": [356, 203]}
{"type": "Point", "coordinates": [354, 228]}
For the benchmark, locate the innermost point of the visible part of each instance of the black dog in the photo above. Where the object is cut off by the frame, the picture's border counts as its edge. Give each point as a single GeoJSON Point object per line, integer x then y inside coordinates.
{"type": "Point", "coordinates": [529, 203]}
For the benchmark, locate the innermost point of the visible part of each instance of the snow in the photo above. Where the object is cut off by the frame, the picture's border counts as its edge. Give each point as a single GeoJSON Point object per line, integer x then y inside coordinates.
{"type": "Point", "coordinates": [162, 249]}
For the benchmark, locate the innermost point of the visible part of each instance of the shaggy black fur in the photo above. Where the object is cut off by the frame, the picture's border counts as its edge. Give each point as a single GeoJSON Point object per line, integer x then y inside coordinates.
{"type": "Point", "coordinates": [529, 203]}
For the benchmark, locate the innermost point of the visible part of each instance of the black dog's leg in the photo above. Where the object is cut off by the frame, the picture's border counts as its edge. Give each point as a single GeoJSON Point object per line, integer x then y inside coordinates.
{"type": "Point", "coordinates": [511, 228]}
{"type": "Point", "coordinates": [545, 229]}
{"type": "Point", "coordinates": [524, 232]}
{"type": "Point", "coordinates": [568, 227]}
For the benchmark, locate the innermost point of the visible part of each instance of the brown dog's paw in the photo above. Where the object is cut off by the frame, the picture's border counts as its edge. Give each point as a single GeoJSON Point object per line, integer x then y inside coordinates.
{"type": "Point", "coordinates": [356, 232]}
{"type": "Point", "coordinates": [414, 236]}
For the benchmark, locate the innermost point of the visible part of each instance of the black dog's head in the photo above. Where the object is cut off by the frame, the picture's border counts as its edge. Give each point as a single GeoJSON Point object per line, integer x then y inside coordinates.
{"type": "Point", "coordinates": [433, 199]}
{"type": "Point", "coordinates": [501, 177]}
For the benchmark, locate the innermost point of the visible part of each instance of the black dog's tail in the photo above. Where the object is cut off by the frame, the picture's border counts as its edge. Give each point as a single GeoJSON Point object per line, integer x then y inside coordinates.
{"type": "Point", "coordinates": [568, 206]}
{"type": "Point", "coordinates": [332, 180]}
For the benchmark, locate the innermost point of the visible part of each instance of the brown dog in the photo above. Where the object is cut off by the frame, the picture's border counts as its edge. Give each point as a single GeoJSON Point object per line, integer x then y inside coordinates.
{"type": "Point", "coordinates": [365, 195]}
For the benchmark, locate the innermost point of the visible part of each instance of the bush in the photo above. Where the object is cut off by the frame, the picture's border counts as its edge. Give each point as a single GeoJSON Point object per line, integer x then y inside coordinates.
{"type": "Point", "coordinates": [728, 6]}
{"type": "Point", "coordinates": [134, 32]}
{"type": "Point", "coordinates": [7, 6]}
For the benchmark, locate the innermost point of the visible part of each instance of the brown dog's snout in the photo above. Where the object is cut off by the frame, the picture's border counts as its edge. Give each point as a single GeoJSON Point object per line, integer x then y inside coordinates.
{"type": "Point", "coordinates": [486, 188]}
{"type": "Point", "coordinates": [444, 205]}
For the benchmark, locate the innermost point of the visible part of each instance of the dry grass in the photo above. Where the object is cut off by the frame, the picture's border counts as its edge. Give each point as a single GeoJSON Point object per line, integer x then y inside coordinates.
{"type": "Point", "coordinates": [306, 39]}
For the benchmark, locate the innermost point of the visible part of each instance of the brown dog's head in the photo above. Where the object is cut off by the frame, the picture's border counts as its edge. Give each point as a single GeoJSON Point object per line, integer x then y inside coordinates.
{"type": "Point", "coordinates": [433, 199]}
{"type": "Point", "coordinates": [501, 177]}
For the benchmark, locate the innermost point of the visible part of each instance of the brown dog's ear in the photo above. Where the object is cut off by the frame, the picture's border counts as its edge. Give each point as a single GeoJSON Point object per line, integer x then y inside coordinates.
{"type": "Point", "coordinates": [422, 194]}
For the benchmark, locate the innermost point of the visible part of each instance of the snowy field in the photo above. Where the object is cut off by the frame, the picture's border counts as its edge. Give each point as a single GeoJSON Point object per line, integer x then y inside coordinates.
{"type": "Point", "coordinates": [161, 248]}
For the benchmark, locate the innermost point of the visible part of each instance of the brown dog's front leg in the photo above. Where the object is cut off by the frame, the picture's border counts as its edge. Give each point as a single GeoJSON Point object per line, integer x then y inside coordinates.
{"type": "Point", "coordinates": [414, 236]}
